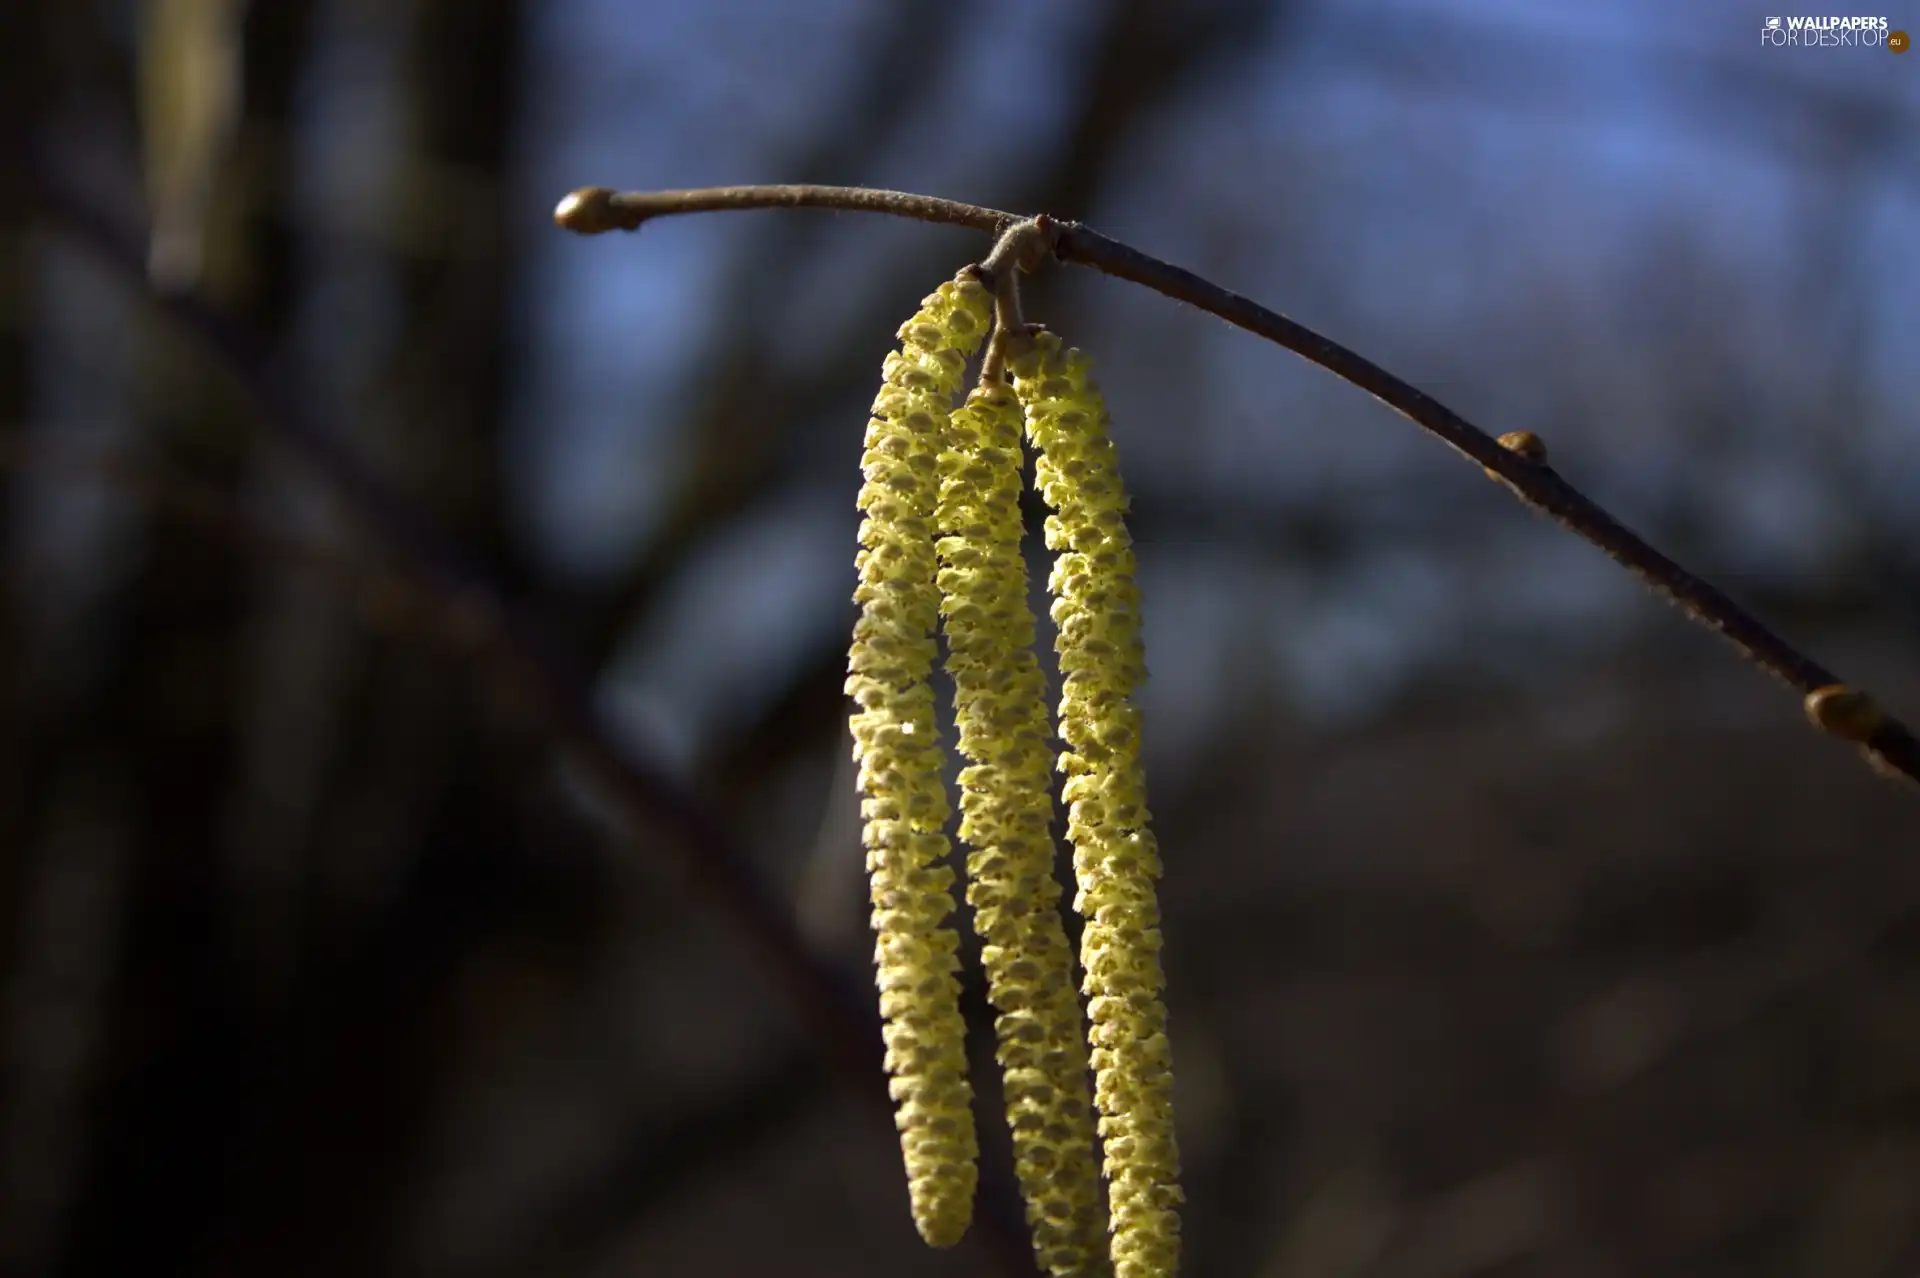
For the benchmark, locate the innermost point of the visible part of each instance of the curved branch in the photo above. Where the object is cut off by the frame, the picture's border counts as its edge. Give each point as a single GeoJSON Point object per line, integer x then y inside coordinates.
{"type": "Point", "coordinates": [1886, 743]}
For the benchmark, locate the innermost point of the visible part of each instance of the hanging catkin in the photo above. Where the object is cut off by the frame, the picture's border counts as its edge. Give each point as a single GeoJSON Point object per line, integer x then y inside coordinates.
{"type": "Point", "coordinates": [1096, 613]}
{"type": "Point", "coordinates": [1006, 811]}
{"type": "Point", "coordinates": [905, 805]}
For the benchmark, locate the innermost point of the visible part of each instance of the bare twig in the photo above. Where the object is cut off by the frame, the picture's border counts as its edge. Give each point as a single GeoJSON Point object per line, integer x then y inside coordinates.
{"type": "Point", "coordinates": [1887, 744]}
{"type": "Point", "coordinates": [593, 209]}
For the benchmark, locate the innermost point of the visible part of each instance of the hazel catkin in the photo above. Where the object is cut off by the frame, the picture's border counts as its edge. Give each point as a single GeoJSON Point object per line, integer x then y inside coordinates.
{"type": "Point", "coordinates": [905, 805]}
{"type": "Point", "coordinates": [1116, 862]}
{"type": "Point", "coordinates": [1006, 813]}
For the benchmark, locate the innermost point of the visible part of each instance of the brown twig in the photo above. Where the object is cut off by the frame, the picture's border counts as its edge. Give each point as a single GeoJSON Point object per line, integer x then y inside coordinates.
{"type": "Point", "coordinates": [594, 209]}
{"type": "Point", "coordinates": [1889, 747]}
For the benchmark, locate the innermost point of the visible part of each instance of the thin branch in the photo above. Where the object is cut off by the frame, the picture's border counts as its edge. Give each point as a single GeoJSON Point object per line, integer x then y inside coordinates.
{"type": "Point", "coordinates": [594, 209]}
{"type": "Point", "coordinates": [1887, 744]}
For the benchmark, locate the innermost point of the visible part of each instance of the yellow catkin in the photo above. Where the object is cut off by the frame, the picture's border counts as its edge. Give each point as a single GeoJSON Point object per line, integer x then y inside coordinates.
{"type": "Point", "coordinates": [905, 805]}
{"type": "Point", "coordinates": [1006, 812]}
{"type": "Point", "coordinates": [1096, 614]}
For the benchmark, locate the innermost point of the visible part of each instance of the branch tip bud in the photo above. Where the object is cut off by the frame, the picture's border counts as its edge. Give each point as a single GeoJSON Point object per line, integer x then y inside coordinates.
{"type": "Point", "coordinates": [588, 211]}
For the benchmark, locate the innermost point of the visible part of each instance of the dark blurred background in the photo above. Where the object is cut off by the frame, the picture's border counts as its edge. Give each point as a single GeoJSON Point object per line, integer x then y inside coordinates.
{"type": "Point", "coordinates": [1513, 927]}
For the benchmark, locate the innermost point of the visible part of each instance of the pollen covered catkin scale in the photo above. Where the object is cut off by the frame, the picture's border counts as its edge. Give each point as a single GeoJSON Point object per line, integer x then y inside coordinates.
{"type": "Point", "coordinates": [905, 805]}
{"type": "Point", "coordinates": [1096, 615]}
{"type": "Point", "coordinates": [1006, 815]}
